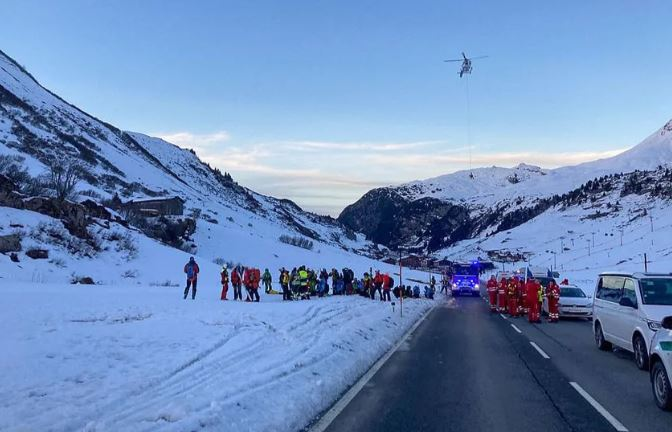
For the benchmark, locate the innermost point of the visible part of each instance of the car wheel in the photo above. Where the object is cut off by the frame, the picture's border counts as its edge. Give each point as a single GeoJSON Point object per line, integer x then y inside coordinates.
{"type": "Point", "coordinates": [599, 339]}
{"type": "Point", "coordinates": [660, 384]}
{"type": "Point", "coordinates": [641, 355]}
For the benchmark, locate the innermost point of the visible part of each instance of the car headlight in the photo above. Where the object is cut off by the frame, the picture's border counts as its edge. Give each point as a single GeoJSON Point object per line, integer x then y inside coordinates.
{"type": "Point", "coordinates": [476, 286]}
{"type": "Point", "coordinates": [590, 305]}
{"type": "Point", "coordinates": [454, 285]}
{"type": "Point", "coordinates": [653, 325]}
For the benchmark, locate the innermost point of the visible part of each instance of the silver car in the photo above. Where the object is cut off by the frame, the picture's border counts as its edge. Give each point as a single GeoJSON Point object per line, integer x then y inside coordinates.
{"type": "Point", "coordinates": [574, 303]}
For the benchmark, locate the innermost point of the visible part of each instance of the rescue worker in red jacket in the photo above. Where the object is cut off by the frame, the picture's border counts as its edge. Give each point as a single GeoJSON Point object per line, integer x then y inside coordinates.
{"type": "Point", "coordinates": [251, 282]}
{"type": "Point", "coordinates": [522, 297]}
{"type": "Point", "coordinates": [553, 296]}
{"type": "Point", "coordinates": [225, 282]}
{"type": "Point", "coordinates": [533, 289]}
{"type": "Point", "coordinates": [236, 281]}
{"type": "Point", "coordinates": [378, 284]}
{"type": "Point", "coordinates": [191, 269]}
{"type": "Point", "coordinates": [492, 293]}
{"type": "Point", "coordinates": [501, 295]}
{"type": "Point", "coordinates": [387, 286]}
{"type": "Point", "coordinates": [512, 297]}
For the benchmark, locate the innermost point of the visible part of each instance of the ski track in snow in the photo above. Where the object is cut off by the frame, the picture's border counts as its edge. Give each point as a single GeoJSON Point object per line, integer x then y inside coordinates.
{"type": "Point", "coordinates": [157, 362]}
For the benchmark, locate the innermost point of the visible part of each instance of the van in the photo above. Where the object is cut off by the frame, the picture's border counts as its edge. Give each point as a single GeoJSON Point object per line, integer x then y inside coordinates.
{"type": "Point", "coordinates": [628, 309]}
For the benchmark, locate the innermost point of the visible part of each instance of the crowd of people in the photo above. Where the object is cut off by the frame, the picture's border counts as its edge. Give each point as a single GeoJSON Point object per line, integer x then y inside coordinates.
{"type": "Point", "coordinates": [302, 282]}
{"type": "Point", "coordinates": [517, 296]}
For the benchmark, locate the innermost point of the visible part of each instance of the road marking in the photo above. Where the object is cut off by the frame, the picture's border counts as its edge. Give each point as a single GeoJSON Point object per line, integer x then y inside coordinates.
{"type": "Point", "coordinates": [599, 408]}
{"type": "Point", "coordinates": [328, 417]}
{"type": "Point", "coordinates": [516, 328]}
{"type": "Point", "coordinates": [539, 350]}
{"type": "Point", "coordinates": [502, 315]}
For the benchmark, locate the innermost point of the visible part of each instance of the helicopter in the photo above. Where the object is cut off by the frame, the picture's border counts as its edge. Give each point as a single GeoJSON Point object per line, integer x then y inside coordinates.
{"type": "Point", "coordinates": [466, 63]}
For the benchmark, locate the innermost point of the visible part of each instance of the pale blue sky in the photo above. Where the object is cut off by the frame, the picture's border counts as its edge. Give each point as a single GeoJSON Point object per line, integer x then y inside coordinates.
{"type": "Point", "coordinates": [318, 101]}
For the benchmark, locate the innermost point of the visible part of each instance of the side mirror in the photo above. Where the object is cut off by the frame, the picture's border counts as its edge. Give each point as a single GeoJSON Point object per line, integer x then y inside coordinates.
{"type": "Point", "coordinates": [667, 323]}
{"type": "Point", "coordinates": [627, 302]}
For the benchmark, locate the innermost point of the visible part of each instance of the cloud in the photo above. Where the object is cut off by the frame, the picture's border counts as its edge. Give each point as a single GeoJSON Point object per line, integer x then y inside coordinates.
{"type": "Point", "coordinates": [195, 141]}
{"type": "Point", "coordinates": [329, 175]}
{"type": "Point", "coordinates": [355, 146]}
{"type": "Point", "coordinates": [454, 161]}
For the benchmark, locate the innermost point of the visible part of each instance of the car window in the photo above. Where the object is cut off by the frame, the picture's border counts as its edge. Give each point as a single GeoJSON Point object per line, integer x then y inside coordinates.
{"type": "Point", "coordinates": [656, 291]}
{"type": "Point", "coordinates": [572, 292]}
{"type": "Point", "coordinates": [629, 291]}
{"type": "Point", "coordinates": [610, 288]}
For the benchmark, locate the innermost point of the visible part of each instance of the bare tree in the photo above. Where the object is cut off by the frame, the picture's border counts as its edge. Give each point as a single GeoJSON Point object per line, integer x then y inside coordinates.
{"type": "Point", "coordinates": [63, 180]}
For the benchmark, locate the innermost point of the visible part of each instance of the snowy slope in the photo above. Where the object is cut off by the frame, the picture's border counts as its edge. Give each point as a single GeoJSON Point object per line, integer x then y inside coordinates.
{"type": "Point", "coordinates": [495, 184]}
{"type": "Point", "coordinates": [581, 241]}
{"type": "Point", "coordinates": [432, 214]}
{"type": "Point", "coordinates": [43, 128]}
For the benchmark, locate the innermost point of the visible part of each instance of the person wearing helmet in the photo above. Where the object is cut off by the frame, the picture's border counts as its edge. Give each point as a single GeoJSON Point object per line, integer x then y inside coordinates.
{"type": "Point", "coordinates": [191, 270]}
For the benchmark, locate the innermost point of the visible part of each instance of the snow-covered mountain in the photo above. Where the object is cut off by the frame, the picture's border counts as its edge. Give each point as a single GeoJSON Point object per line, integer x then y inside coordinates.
{"type": "Point", "coordinates": [436, 213]}
{"type": "Point", "coordinates": [232, 222]}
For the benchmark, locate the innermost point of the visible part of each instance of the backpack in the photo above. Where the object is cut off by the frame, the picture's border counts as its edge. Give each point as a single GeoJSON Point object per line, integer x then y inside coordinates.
{"type": "Point", "coordinates": [391, 282]}
{"type": "Point", "coordinates": [191, 270]}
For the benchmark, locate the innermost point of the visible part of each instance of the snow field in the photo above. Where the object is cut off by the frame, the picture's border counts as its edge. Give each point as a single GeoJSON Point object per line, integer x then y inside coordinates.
{"type": "Point", "coordinates": [108, 358]}
{"type": "Point", "coordinates": [546, 234]}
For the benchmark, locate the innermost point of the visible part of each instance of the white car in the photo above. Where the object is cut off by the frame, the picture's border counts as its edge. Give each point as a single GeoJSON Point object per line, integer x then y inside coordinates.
{"type": "Point", "coordinates": [628, 309]}
{"type": "Point", "coordinates": [574, 303]}
{"type": "Point", "coordinates": [661, 365]}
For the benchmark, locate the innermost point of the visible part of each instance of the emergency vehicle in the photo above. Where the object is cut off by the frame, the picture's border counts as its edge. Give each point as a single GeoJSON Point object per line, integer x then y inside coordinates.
{"type": "Point", "coordinates": [466, 279]}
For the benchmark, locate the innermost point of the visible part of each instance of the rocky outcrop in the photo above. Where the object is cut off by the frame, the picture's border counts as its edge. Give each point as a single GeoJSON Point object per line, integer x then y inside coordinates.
{"type": "Point", "coordinates": [426, 224]}
{"type": "Point", "coordinates": [75, 216]}
{"type": "Point", "coordinates": [10, 243]}
{"type": "Point", "coordinates": [37, 253]}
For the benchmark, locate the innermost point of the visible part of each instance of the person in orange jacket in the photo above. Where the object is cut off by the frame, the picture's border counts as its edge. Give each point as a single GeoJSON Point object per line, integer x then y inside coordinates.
{"type": "Point", "coordinates": [553, 296]}
{"type": "Point", "coordinates": [492, 293]}
{"type": "Point", "coordinates": [191, 269]}
{"type": "Point", "coordinates": [225, 282]}
{"type": "Point", "coordinates": [378, 284]}
{"type": "Point", "coordinates": [512, 297]}
{"type": "Point", "coordinates": [236, 281]}
{"type": "Point", "coordinates": [501, 295]}
{"type": "Point", "coordinates": [387, 286]}
{"type": "Point", "coordinates": [533, 289]}
{"type": "Point", "coordinates": [522, 298]}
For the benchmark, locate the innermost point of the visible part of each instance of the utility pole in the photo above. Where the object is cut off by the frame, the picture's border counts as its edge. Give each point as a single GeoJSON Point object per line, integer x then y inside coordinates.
{"type": "Point", "coordinates": [646, 264]}
{"type": "Point", "coordinates": [588, 247]}
{"type": "Point", "coordinates": [401, 296]}
{"type": "Point", "coordinates": [621, 236]}
{"type": "Point", "coordinates": [651, 219]}
{"type": "Point", "coordinates": [593, 234]}
{"type": "Point", "coordinates": [555, 260]}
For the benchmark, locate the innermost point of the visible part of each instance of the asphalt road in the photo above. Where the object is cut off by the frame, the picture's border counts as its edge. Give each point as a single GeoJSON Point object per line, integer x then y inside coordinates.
{"type": "Point", "coordinates": [465, 369]}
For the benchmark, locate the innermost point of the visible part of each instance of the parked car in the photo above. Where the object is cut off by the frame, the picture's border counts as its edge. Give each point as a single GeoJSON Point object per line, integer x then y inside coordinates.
{"type": "Point", "coordinates": [574, 303]}
{"type": "Point", "coordinates": [628, 309]}
{"type": "Point", "coordinates": [661, 365]}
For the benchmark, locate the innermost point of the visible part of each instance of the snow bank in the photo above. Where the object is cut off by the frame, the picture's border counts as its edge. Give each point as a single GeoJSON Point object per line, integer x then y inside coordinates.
{"type": "Point", "coordinates": [139, 358]}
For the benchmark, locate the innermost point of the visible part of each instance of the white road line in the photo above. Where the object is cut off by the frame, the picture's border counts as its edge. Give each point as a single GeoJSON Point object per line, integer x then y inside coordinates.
{"type": "Point", "coordinates": [516, 328]}
{"type": "Point", "coordinates": [502, 315]}
{"type": "Point", "coordinates": [606, 414]}
{"type": "Point", "coordinates": [539, 350]}
{"type": "Point", "coordinates": [343, 402]}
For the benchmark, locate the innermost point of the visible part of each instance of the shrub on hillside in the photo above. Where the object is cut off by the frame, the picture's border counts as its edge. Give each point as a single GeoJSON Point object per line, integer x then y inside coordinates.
{"type": "Point", "coordinates": [297, 241]}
